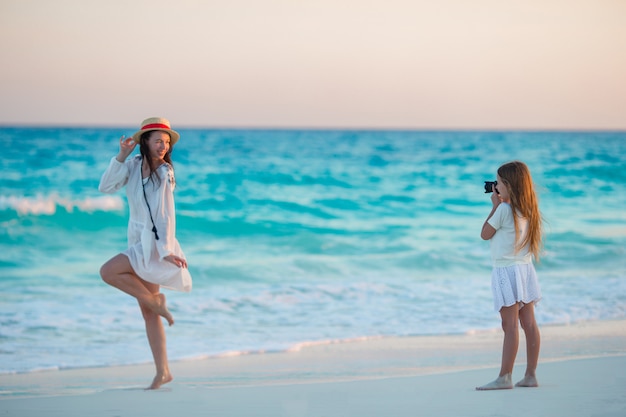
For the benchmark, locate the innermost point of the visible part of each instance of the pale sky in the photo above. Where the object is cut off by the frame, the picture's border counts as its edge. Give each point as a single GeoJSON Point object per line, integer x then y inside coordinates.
{"type": "Point", "coordinates": [438, 64]}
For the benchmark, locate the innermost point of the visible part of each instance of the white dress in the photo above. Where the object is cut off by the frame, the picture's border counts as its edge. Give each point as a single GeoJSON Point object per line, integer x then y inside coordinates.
{"type": "Point", "coordinates": [145, 252]}
{"type": "Point", "coordinates": [513, 278]}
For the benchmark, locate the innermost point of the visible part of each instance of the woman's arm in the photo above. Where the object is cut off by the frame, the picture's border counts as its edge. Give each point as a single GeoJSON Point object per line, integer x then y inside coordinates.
{"type": "Point", "coordinates": [166, 220]}
{"type": "Point", "coordinates": [116, 175]}
{"type": "Point", "coordinates": [165, 215]}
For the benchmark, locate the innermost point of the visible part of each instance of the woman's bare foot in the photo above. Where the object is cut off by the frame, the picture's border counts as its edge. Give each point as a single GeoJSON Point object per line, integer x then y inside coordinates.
{"type": "Point", "coordinates": [529, 381]}
{"type": "Point", "coordinates": [161, 309]}
{"type": "Point", "coordinates": [503, 382]}
{"type": "Point", "coordinates": [160, 380]}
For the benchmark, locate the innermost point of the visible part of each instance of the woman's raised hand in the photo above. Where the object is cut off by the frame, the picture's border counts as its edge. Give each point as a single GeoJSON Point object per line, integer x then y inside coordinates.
{"type": "Point", "coordinates": [127, 145]}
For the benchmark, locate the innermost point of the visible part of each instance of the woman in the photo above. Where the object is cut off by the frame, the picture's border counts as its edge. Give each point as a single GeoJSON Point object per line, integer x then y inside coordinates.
{"type": "Point", "coordinates": [154, 258]}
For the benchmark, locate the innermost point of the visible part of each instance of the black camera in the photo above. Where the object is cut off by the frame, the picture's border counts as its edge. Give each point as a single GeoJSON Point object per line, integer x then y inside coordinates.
{"type": "Point", "coordinates": [490, 186]}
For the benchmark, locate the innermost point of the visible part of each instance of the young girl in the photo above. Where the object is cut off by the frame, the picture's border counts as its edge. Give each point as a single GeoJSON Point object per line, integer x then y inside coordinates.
{"type": "Point", "coordinates": [154, 258]}
{"type": "Point", "coordinates": [514, 228]}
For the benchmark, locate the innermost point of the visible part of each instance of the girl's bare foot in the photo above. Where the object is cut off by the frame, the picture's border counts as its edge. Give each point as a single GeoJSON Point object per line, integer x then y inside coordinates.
{"type": "Point", "coordinates": [160, 380]}
{"type": "Point", "coordinates": [503, 382]}
{"type": "Point", "coordinates": [529, 381]}
{"type": "Point", "coordinates": [162, 310]}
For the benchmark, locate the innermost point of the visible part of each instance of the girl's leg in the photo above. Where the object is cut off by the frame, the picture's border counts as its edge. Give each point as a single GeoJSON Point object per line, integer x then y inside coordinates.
{"type": "Point", "coordinates": [156, 338]}
{"type": "Point", "coordinates": [510, 317]}
{"type": "Point", "coordinates": [533, 342]}
{"type": "Point", "coordinates": [118, 273]}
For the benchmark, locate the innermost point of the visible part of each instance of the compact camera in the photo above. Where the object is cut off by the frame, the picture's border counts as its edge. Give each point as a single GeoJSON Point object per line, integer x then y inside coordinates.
{"type": "Point", "coordinates": [488, 186]}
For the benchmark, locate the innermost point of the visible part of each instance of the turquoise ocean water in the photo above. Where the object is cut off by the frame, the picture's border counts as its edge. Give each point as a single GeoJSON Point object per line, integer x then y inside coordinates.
{"type": "Point", "coordinates": [297, 236]}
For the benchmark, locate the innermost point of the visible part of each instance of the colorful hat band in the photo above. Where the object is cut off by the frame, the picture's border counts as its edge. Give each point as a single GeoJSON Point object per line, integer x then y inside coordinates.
{"type": "Point", "coordinates": [155, 126]}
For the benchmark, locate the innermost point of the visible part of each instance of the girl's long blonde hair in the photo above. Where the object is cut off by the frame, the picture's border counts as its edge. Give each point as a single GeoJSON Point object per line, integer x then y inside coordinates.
{"type": "Point", "coordinates": [516, 177]}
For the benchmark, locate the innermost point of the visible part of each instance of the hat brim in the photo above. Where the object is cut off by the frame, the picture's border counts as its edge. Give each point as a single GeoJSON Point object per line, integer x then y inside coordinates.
{"type": "Point", "coordinates": [174, 136]}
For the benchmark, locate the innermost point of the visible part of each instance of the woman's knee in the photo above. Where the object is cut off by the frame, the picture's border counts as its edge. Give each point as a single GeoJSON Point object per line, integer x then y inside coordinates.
{"type": "Point", "coordinates": [113, 267]}
{"type": "Point", "coordinates": [106, 272]}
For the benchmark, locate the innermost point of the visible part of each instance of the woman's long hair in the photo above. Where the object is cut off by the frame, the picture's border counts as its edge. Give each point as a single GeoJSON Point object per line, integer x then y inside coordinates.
{"type": "Point", "coordinates": [516, 177]}
{"type": "Point", "coordinates": [145, 155]}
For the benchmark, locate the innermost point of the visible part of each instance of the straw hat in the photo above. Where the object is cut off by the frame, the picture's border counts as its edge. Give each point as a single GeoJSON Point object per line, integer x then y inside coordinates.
{"type": "Point", "coordinates": [157, 123]}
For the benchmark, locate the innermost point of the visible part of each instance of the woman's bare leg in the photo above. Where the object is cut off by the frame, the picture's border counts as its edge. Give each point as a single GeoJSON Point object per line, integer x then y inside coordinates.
{"type": "Point", "coordinates": [510, 317]}
{"type": "Point", "coordinates": [533, 344]}
{"type": "Point", "coordinates": [118, 273]}
{"type": "Point", "coordinates": [157, 339]}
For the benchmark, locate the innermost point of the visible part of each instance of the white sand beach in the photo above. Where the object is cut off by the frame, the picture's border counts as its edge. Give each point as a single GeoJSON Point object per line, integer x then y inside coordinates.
{"type": "Point", "coordinates": [581, 373]}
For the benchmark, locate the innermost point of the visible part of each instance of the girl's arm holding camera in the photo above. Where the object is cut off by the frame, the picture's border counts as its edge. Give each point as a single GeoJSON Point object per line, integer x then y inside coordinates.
{"type": "Point", "coordinates": [488, 230]}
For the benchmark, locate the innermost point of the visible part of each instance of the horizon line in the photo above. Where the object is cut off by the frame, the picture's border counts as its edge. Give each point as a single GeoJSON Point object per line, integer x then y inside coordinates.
{"type": "Point", "coordinates": [194, 126]}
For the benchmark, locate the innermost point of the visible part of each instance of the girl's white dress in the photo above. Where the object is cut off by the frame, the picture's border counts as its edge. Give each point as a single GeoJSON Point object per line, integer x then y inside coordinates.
{"type": "Point", "coordinates": [145, 252]}
{"type": "Point", "coordinates": [513, 278]}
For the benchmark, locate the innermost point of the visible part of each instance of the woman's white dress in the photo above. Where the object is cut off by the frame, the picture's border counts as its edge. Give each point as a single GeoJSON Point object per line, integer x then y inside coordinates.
{"type": "Point", "coordinates": [145, 252]}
